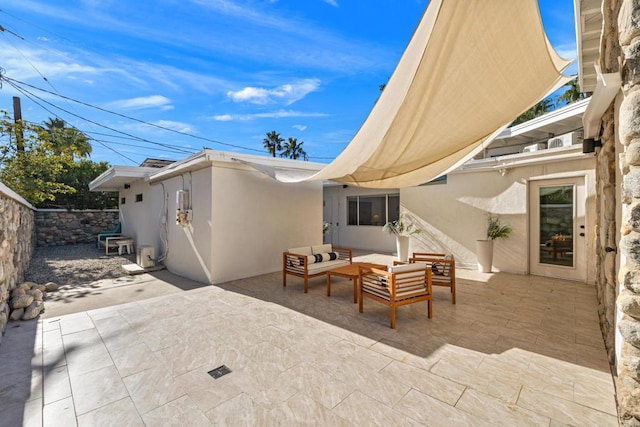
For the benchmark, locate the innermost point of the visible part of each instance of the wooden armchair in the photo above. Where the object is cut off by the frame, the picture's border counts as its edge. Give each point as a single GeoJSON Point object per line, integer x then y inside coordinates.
{"type": "Point", "coordinates": [443, 268]}
{"type": "Point", "coordinates": [400, 285]}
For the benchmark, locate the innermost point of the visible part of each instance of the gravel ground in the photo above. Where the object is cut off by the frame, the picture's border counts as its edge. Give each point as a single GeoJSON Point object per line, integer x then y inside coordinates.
{"type": "Point", "coordinates": [74, 265]}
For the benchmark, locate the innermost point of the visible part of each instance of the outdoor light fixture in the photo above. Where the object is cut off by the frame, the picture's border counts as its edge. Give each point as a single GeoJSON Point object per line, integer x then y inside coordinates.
{"type": "Point", "coordinates": [589, 145]}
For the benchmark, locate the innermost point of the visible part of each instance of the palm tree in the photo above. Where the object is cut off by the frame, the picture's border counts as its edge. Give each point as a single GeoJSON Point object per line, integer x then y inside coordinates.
{"type": "Point", "coordinates": [539, 109]}
{"type": "Point", "coordinates": [294, 150]}
{"type": "Point", "coordinates": [572, 94]}
{"type": "Point", "coordinates": [273, 142]}
{"type": "Point", "coordinates": [66, 140]}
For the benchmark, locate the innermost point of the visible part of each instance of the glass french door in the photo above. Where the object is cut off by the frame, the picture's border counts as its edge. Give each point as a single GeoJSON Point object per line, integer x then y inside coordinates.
{"type": "Point", "coordinates": [557, 228]}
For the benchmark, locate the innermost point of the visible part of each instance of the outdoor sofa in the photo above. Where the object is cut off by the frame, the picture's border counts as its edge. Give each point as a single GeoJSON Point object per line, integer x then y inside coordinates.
{"type": "Point", "coordinates": [313, 261]}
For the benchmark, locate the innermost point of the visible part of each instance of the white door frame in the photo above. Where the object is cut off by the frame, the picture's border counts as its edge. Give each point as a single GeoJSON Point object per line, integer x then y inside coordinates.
{"type": "Point", "coordinates": [330, 214]}
{"type": "Point", "coordinates": [577, 271]}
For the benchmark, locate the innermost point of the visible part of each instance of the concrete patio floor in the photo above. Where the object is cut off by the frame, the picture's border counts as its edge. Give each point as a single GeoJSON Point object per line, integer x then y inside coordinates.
{"type": "Point", "coordinates": [514, 350]}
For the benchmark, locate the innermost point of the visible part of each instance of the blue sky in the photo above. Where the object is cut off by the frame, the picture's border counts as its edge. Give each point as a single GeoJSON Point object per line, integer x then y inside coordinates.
{"type": "Point", "coordinates": [223, 70]}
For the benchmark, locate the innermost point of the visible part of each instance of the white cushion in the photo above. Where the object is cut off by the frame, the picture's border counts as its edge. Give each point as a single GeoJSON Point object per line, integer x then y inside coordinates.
{"type": "Point", "coordinates": [327, 265]}
{"type": "Point", "coordinates": [304, 250]}
{"type": "Point", "coordinates": [407, 267]}
{"type": "Point", "coordinates": [321, 249]}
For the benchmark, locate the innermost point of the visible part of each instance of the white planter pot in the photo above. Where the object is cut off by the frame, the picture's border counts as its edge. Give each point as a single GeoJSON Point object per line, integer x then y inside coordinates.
{"type": "Point", "coordinates": [484, 252]}
{"type": "Point", "coordinates": [402, 248]}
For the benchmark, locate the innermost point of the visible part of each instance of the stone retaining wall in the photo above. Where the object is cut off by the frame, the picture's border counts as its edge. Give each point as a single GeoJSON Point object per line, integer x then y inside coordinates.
{"type": "Point", "coordinates": [16, 246]}
{"type": "Point", "coordinates": [61, 227]}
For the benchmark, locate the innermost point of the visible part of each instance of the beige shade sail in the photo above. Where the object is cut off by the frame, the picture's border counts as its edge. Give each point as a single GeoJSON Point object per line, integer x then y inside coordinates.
{"type": "Point", "coordinates": [470, 69]}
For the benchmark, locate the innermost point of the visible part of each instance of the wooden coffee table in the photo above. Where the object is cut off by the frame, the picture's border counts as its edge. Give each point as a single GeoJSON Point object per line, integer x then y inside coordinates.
{"type": "Point", "coordinates": [351, 271]}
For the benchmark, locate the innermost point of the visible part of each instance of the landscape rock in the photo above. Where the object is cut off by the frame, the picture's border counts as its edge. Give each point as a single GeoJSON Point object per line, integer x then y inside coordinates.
{"type": "Point", "coordinates": [51, 287]}
{"type": "Point", "coordinates": [33, 310]}
{"type": "Point", "coordinates": [17, 291]}
{"type": "Point", "coordinates": [36, 294]}
{"type": "Point", "coordinates": [41, 288]}
{"type": "Point", "coordinates": [29, 284]}
{"type": "Point", "coordinates": [16, 314]}
{"type": "Point", "coordinates": [21, 301]}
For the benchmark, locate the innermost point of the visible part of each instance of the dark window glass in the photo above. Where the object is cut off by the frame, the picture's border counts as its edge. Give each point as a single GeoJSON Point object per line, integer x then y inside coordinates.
{"type": "Point", "coordinates": [138, 197]}
{"type": "Point", "coordinates": [372, 210]}
{"type": "Point", "coordinates": [394, 207]}
{"type": "Point", "coordinates": [352, 203]}
{"type": "Point", "coordinates": [123, 200]}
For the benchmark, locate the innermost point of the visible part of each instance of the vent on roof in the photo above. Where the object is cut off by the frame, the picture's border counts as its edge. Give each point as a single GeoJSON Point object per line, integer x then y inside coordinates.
{"type": "Point", "coordinates": [534, 147]}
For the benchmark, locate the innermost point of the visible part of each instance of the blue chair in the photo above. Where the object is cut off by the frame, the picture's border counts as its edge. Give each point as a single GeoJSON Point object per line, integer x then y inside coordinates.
{"type": "Point", "coordinates": [102, 236]}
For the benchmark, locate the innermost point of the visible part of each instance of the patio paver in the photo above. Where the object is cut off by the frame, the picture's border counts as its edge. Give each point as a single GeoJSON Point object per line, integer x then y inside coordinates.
{"type": "Point", "coordinates": [514, 350]}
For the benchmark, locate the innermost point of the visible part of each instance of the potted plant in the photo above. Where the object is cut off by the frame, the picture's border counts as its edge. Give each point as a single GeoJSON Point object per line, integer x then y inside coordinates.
{"type": "Point", "coordinates": [326, 229]}
{"type": "Point", "coordinates": [402, 229]}
{"type": "Point", "coordinates": [484, 248]}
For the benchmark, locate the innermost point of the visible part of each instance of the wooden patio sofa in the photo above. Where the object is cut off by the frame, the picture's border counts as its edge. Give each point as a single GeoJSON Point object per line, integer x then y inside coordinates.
{"type": "Point", "coordinates": [312, 261]}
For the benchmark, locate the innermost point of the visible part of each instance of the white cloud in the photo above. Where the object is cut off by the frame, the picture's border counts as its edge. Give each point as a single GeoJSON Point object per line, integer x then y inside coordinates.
{"type": "Point", "coordinates": [41, 61]}
{"type": "Point", "coordinates": [287, 93]}
{"type": "Point", "coordinates": [271, 115]}
{"type": "Point", "coordinates": [301, 128]}
{"type": "Point", "coordinates": [333, 3]}
{"type": "Point", "coordinates": [153, 101]}
{"type": "Point", "coordinates": [143, 129]}
{"type": "Point", "coordinates": [179, 126]}
{"type": "Point", "coordinates": [138, 103]}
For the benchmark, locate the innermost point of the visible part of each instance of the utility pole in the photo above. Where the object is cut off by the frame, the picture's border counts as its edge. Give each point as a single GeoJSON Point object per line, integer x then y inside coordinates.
{"type": "Point", "coordinates": [17, 118]}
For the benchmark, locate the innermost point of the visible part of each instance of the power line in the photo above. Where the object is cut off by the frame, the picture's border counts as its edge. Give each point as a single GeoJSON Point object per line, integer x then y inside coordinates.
{"type": "Point", "coordinates": [117, 152]}
{"type": "Point", "coordinates": [34, 25]}
{"type": "Point", "coordinates": [3, 29]}
{"type": "Point", "coordinates": [31, 96]}
{"type": "Point", "coordinates": [168, 149]}
{"type": "Point", "coordinates": [172, 150]}
{"type": "Point", "coordinates": [18, 82]}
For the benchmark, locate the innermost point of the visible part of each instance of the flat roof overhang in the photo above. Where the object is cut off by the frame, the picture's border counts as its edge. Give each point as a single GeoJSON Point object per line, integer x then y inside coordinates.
{"type": "Point", "coordinates": [114, 178]}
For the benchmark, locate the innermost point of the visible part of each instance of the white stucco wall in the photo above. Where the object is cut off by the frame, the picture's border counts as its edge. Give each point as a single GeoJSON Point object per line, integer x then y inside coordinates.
{"type": "Point", "coordinates": [141, 220]}
{"type": "Point", "coordinates": [367, 237]}
{"type": "Point", "coordinates": [242, 221]}
{"type": "Point", "coordinates": [256, 218]}
{"type": "Point", "coordinates": [454, 215]}
{"type": "Point", "coordinates": [189, 252]}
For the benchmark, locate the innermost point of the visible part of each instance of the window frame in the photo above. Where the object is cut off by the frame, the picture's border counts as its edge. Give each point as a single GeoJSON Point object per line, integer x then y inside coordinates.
{"type": "Point", "coordinates": [358, 199]}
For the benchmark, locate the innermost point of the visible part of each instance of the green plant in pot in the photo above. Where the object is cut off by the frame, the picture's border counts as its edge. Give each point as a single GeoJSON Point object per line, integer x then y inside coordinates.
{"type": "Point", "coordinates": [402, 229]}
{"type": "Point", "coordinates": [497, 230]}
{"type": "Point", "coordinates": [484, 248]}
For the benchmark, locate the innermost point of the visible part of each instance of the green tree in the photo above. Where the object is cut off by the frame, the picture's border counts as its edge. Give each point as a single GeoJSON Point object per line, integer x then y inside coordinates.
{"type": "Point", "coordinates": [67, 140]}
{"type": "Point", "coordinates": [273, 142]}
{"type": "Point", "coordinates": [537, 110]}
{"type": "Point", "coordinates": [78, 175]}
{"type": "Point", "coordinates": [45, 173]}
{"type": "Point", "coordinates": [293, 150]}
{"type": "Point", "coordinates": [34, 172]}
{"type": "Point", "coordinates": [572, 94]}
